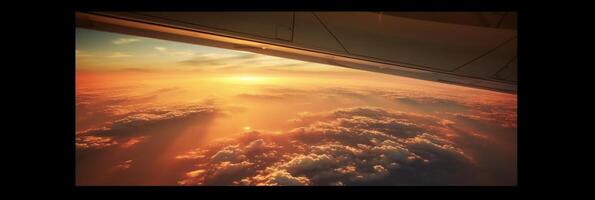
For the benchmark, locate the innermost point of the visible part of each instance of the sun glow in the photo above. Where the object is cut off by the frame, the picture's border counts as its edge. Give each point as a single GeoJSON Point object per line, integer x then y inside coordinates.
{"type": "Point", "coordinates": [248, 78]}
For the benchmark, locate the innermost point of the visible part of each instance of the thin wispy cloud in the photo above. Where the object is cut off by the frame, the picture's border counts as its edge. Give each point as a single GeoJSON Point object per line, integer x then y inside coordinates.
{"type": "Point", "coordinates": [81, 54]}
{"type": "Point", "coordinates": [119, 55]}
{"type": "Point", "coordinates": [162, 49]}
{"type": "Point", "coordinates": [125, 41]}
{"type": "Point", "coordinates": [173, 52]}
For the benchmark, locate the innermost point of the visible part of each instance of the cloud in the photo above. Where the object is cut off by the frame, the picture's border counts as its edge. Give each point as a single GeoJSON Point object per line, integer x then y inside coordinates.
{"type": "Point", "coordinates": [119, 55]}
{"type": "Point", "coordinates": [229, 153]}
{"type": "Point", "coordinates": [134, 69]}
{"type": "Point", "coordinates": [124, 165]}
{"type": "Point", "coordinates": [82, 54]}
{"type": "Point", "coordinates": [162, 49]}
{"type": "Point", "coordinates": [94, 142]}
{"type": "Point", "coordinates": [126, 130]}
{"type": "Point", "coordinates": [206, 59]}
{"type": "Point", "coordinates": [224, 61]}
{"type": "Point", "coordinates": [211, 59]}
{"type": "Point", "coordinates": [133, 141]}
{"type": "Point", "coordinates": [277, 178]}
{"type": "Point", "coordinates": [308, 163]}
{"type": "Point", "coordinates": [500, 119]}
{"type": "Point", "coordinates": [133, 127]}
{"type": "Point", "coordinates": [168, 51]}
{"type": "Point", "coordinates": [149, 117]}
{"type": "Point", "coordinates": [426, 100]}
{"type": "Point", "coordinates": [120, 41]}
{"type": "Point", "coordinates": [264, 97]}
{"type": "Point", "coordinates": [99, 106]}
{"type": "Point", "coordinates": [493, 112]}
{"type": "Point", "coordinates": [350, 146]}
{"type": "Point", "coordinates": [355, 146]}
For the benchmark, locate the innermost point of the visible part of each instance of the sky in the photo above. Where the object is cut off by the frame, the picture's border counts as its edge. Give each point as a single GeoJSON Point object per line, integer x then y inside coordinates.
{"type": "Point", "coordinates": [156, 112]}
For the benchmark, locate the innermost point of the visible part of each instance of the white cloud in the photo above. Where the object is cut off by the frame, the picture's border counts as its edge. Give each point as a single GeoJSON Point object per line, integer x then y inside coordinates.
{"type": "Point", "coordinates": [162, 49]}
{"type": "Point", "coordinates": [173, 52]}
{"type": "Point", "coordinates": [125, 41]}
{"type": "Point", "coordinates": [279, 178]}
{"type": "Point", "coordinates": [345, 147]}
{"type": "Point", "coordinates": [309, 162]}
{"type": "Point", "coordinates": [229, 153]}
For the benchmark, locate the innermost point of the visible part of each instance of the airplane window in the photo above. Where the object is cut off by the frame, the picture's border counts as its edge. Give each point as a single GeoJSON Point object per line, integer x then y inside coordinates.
{"type": "Point", "coordinates": [157, 112]}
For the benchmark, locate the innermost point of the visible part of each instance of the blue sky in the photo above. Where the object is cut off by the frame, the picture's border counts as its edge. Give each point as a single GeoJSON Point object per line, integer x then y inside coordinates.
{"type": "Point", "coordinates": [98, 50]}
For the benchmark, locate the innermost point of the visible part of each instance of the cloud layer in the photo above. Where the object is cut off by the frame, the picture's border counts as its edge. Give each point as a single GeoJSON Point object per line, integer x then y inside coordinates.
{"type": "Point", "coordinates": [355, 146]}
{"type": "Point", "coordinates": [345, 146]}
{"type": "Point", "coordinates": [132, 125]}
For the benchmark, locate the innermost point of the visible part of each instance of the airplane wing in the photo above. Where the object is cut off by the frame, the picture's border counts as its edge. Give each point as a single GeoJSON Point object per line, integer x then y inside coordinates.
{"type": "Point", "coordinates": [474, 49]}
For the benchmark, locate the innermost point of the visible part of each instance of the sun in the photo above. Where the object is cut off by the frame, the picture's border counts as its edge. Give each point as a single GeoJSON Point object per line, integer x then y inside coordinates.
{"type": "Point", "coordinates": [247, 128]}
